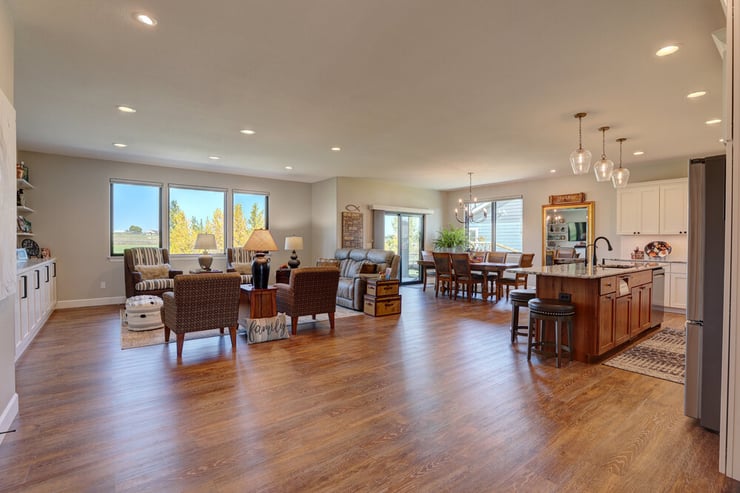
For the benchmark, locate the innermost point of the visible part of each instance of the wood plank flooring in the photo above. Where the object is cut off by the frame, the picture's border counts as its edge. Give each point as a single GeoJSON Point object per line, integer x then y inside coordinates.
{"type": "Point", "coordinates": [436, 399]}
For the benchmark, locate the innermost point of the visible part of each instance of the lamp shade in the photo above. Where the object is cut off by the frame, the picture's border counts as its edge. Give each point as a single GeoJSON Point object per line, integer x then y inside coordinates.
{"type": "Point", "coordinates": [294, 243]}
{"type": "Point", "coordinates": [261, 241]}
{"type": "Point", "coordinates": [205, 241]}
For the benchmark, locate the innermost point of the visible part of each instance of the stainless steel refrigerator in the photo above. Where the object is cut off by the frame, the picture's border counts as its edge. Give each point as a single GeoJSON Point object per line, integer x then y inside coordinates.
{"type": "Point", "coordinates": [704, 308]}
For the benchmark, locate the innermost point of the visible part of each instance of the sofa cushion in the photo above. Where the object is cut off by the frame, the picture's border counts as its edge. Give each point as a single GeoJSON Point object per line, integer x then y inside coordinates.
{"type": "Point", "coordinates": [350, 268]}
{"type": "Point", "coordinates": [155, 284]}
{"type": "Point", "coordinates": [242, 267]}
{"type": "Point", "coordinates": [346, 288]}
{"type": "Point", "coordinates": [157, 271]}
{"type": "Point", "coordinates": [328, 262]}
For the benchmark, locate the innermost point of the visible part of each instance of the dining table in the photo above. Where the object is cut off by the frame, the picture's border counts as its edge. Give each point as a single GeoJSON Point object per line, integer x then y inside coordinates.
{"type": "Point", "coordinates": [484, 268]}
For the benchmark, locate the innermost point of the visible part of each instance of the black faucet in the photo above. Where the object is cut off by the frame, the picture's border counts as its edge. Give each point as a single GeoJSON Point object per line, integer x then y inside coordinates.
{"type": "Point", "coordinates": [593, 245]}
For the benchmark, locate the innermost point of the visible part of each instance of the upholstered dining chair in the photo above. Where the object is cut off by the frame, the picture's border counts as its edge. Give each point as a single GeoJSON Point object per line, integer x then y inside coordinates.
{"type": "Point", "coordinates": [311, 290]}
{"type": "Point", "coordinates": [427, 256]}
{"type": "Point", "coordinates": [239, 260]}
{"type": "Point", "coordinates": [443, 273]}
{"type": "Point", "coordinates": [462, 275]}
{"type": "Point", "coordinates": [516, 279]}
{"type": "Point", "coordinates": [201, 302]}
{"type": "Point", "coordinates": [147, 271]}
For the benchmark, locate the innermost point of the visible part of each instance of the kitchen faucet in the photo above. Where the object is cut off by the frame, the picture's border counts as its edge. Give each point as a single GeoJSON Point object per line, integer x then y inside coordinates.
{"type": "Point", "coordinates": [593, 246]}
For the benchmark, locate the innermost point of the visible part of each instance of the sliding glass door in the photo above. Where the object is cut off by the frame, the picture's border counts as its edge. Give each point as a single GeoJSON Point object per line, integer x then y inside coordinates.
{"type": "Point", "coordinates": [404, 234]}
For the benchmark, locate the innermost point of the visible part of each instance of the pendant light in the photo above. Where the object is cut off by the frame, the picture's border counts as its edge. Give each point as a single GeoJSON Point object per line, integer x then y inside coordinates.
{"type": "Point", "coordinates": [603, 167]}
{"type": "Point", "coordinates": [580, 159]}
{"type": "Point", "coordinates": [620, 176]}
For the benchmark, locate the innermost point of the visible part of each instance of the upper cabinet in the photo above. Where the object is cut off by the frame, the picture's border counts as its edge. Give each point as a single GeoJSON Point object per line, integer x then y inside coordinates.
{"type": "Point", "coordinates": [651, 208]}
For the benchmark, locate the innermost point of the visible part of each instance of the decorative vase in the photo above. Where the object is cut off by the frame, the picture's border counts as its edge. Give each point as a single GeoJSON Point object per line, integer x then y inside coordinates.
{"type": "Point", "coordinates": [260, 270]}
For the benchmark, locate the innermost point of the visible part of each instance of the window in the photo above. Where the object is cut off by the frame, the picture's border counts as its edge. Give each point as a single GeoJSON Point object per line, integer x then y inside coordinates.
{"type": "Point", "coordinates": [135, 216]}
{"type": "Point", "coordinates": [193, 211]}
{"type": "Point", "coordinates": [250, 213]}
{"type": "Point", "coordinates": [503, 228]}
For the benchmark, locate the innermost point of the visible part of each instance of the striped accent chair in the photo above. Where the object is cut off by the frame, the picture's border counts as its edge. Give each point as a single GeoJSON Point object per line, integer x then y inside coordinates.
{"type": "Point", "coordinates": [240, 260]}
{"type": "Point", "coordinates": [148, 271]}
{"type": "Point", "coordinates": [201, 302]}
{"type": "Point", "coordinates": [311, 290]}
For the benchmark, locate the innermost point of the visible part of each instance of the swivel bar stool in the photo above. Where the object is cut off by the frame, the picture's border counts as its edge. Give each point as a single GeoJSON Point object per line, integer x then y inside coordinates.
{"type": "Point", "coordinates": [543, 310]}
{"type": "Point", "coordinates": [519, 299]}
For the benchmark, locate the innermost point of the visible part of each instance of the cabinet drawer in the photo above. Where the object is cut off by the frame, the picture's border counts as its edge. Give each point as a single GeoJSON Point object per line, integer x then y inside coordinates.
{"type": "Point", "coordinates": [382, 288]}
{"type": "Point", "coordinates": [608, 285]}
{"type": "Point", "coordinates": [378, 307]}
{"type": "Point", "coordinates": [639, 278]}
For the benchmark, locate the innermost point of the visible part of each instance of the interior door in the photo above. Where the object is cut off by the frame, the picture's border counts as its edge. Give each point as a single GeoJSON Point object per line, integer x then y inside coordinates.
{"type": "Point", "coordinates": [404, 235]}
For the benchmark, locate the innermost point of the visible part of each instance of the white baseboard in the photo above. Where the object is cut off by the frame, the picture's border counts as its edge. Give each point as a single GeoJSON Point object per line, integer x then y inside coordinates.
{"type": "Point", "coordinates": [112, 300]}
{"type": "Point", "coordinates": [9, 414]}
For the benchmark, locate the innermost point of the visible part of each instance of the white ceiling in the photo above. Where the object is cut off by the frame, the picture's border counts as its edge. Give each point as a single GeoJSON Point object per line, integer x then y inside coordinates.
{"type": "Point", "coordinates": [415, 91]}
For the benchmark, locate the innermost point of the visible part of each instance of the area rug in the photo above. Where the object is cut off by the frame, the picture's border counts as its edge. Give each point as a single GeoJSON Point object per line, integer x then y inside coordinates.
{"type": "Point", "coordinates": [133, 339]}
{"type": "Point", "coordinates": [663, 356]}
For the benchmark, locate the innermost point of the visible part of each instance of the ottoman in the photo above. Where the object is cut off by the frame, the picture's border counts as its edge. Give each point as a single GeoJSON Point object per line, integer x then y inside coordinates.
{"type": "Point", "coordinates": [143, 312]}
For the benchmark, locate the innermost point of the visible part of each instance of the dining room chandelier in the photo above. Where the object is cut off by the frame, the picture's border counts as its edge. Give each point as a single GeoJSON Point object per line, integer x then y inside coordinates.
{"type": "Point", "coordinates": [469, 209]}
{"type": "Point", "coordinates": [620, 176]}
{"type": "Point", "coordinates": [580, 159]}
{"type": "Point", "coordinates": [603, 167]}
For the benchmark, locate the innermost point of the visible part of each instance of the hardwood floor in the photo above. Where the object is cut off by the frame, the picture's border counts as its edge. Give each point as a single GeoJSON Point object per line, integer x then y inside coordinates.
{"type": "Point", "coordinates": [436, 399]}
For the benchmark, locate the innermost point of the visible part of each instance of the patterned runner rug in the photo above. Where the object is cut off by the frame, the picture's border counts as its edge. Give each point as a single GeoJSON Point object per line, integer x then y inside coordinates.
{"type": "Point", "coordinates": [132, 339]}
{"type": "Point", "coordinates": [661, 356]}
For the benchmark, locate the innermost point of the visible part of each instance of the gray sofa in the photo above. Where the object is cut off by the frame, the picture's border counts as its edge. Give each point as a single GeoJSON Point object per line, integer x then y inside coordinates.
{"type": "Point", "coordinates": [356, 265]}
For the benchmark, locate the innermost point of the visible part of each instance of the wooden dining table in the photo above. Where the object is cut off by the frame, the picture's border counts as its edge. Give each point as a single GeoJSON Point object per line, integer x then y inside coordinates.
{"type": "Point", "coordinates": [484, 268]}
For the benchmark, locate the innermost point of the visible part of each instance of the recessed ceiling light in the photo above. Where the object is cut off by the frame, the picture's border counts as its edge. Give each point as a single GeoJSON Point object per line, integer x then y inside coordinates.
{"type": "Point", "coordinates": [638, 153]}
{"type": "Point", "coordinates": [246, 131]}
{"type": "Point", "coordinates": [146, 19]}
{"type": "Point", "coordinates": [118, 144]}
{"type": "Point", "coordinates": [215, 158]}
{"type": "Point", "coordinates": [696, 94]}
{"type": "Point", "coordinates": [289, 167]}
{"type": "Point", "coordinates": [336, 149]}
{"type": "Point", "coordinates": [126, 109]}
{"type": "Point", "coordinates": [713, 121]}
{"type": "Point", "coordinates": [667, 50]}
{"type": "Point", "coordinates": [553, 171]}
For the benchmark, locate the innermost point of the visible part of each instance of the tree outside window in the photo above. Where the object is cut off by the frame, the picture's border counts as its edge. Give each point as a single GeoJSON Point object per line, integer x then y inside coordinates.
{"type": "Point", "coordinates": [193, 211]}
{"type": "Point", "coordinates": [250, 213]}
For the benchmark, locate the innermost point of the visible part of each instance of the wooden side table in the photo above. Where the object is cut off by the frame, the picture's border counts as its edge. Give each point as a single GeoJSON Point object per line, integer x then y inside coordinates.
{"type": "Point", "coordinates": [257, 303]}
{"type": "Point", "coordinates": [382, 298]}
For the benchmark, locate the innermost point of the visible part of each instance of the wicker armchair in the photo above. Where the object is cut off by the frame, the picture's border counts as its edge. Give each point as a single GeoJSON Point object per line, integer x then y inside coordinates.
{"type": "Point", "coordinates": [311, 290]}
{"type": "Point", "coordinates": [201, 302]}
{"type": "Point", "coordinates": [147, 271]}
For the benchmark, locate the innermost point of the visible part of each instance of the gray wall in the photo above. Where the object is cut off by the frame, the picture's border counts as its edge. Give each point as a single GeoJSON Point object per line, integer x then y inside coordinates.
{"type": "Point", "coordinates": [323, 220]}
{"type": "Point", "coordinates": [7, 306]}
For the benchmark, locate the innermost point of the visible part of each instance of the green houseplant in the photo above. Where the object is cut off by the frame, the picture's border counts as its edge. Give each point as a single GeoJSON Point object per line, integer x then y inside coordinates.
{"type": "Point", "coordinates": [451, 239]}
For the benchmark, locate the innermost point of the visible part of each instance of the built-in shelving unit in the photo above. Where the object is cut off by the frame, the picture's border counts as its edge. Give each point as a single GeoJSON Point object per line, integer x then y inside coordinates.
{"type": "Point", "coordinates": [23, 209]}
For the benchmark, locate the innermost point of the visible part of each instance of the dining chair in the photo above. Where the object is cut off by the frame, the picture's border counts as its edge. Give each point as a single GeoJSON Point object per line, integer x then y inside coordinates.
{"type": "Point", "coordinates": [515, 279]}
{"type": "Point", "coordinates": [462, 274]}
{"type": "Point", "coordinates": [499, 258]}
{"type": "Point", "coordinates": [426, 255]}
{"type": "Point", "coordinates": [443, 274]}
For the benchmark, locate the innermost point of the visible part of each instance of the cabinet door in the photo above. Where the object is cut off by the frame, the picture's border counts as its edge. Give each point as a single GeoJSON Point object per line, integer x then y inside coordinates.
{"type": "Point", "coordinates": [606, 323]}
{"type": "Point", "coordinates": [642, 308]}
{"type": "Point", "coordinates": [674, 208]}
{"type": "Point", "coordinates": [22, 328]}
{"type": "Point", "coordinates": [638, 210]}
{"type": "Point", "coordinates": [622, 319]}
{"type": "Point", "coordinates": [677, 290]}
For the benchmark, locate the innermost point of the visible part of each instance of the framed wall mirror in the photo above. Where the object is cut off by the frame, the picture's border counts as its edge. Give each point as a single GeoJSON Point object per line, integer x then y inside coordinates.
{"type": "Point", "coordinates": [566, 230]}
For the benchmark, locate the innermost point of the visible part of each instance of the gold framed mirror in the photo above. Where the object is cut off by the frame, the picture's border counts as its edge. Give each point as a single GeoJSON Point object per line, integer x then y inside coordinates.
{"type": "Point", "coordinates": [567, 229]}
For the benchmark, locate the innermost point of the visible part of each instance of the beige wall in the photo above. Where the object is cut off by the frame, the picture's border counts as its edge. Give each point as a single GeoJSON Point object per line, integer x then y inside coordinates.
{"type": "Point", "coordinates": [71, 200]}
{"type": "Point", "coordinates": [8, 397]}
{"type": "Point", "coordinates": [323, 220]}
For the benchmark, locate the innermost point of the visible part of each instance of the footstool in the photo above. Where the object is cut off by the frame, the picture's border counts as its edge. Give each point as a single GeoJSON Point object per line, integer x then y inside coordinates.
{"type": "Point", "coordinates": [143, 312]}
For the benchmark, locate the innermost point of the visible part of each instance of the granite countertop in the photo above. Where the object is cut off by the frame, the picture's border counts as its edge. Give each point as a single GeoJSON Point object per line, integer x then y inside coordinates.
{"type": "Point", "coordinates": [655, 260]}
{"type": "Point", "coordinates": [579, 271]}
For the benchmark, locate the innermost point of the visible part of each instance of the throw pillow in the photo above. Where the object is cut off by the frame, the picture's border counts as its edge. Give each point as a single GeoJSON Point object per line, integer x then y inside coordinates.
{"type": "Point", "coordinates": [327, 262]}
{"type": "Point", "coordinates": [242, 268]}
{"type": "Point", "coordinates": [368, 268]}
{"type": "Point", "coordinates": [157, 271]}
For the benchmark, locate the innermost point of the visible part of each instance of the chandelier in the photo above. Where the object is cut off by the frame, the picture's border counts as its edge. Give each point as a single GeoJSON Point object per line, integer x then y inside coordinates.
{"type": "Point", "coordinates": [468, 208]}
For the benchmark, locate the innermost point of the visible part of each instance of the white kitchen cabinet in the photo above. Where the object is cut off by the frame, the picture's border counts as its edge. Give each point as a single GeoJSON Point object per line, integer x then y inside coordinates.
{"type": "Point", "coordinates": [638, 210]}
{"type": "Point", "coordinates": [674, 208]}
{"type": "Point", "coordinates": [677, 285]}
{"type": "Point", "coordinates": [36, 299]}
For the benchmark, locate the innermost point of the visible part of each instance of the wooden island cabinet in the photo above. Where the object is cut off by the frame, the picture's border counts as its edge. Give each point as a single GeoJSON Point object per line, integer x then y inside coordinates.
{"type": "Point", "coordinates": [613, 306]}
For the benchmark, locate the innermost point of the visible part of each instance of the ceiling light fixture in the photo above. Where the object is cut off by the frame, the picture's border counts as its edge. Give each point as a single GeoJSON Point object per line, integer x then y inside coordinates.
{"type": "Point", "coordinates": [620, 176]}
{"type": "Point", "coordinates": [247, 131]}
{"type": "Point", "coordinates": [604, 167]}
{"type": "Point", "coordinates": [215, 158]}
{"type": "Point", "coordinates": [638, 153]}
{"type": "Point", "coordinates": [125, 109]}
{"type": "Point", "coordinates": [146, 19]}
{"type": "Point", "coordinates": [289, 168]}
{"type": "Point", "coordinates": [713, 121]}
{"type": "Point", "coordinates": [118, 144]}
{"type": "Point", "coordinates": [553, 171]}
{"type": "Point", "coordinates": [470, 208]}
{"type": "Point", "coordinates": [580, 159]}
{"type": "Point", "coordinates": [667, 50]}
{"type": "Point", "coordinates": [336, 149]}
{"type": "Point", "coordinates": [696, 94]}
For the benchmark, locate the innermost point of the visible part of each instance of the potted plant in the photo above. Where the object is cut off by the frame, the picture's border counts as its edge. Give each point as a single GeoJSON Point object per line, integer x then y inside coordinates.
{"type": "Point", "coordinates": [451, 239]}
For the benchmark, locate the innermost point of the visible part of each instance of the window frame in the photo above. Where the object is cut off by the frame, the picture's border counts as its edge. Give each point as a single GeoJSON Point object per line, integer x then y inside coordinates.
{"type": "Point", "coordinates": [226, 220]}
{"type": "Point", "coordinates": [491, 205]}
{"type": "Point", "coordinates": [111, 197]}
{"type": "Point", "coordinates": [235, 191]}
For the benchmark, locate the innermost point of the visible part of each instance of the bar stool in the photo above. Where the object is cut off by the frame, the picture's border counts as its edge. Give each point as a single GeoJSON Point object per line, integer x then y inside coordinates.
{"type": "Point", "coordinates": [543, 310]}
{"type": "Point", "coordinates": [519, 298]}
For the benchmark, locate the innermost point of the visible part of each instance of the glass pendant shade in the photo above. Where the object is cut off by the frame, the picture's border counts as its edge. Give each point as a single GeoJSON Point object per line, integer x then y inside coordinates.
{"type": "Point", "coordinates": [580, 161]}
{"type": "Point", "coordinates": [620, 177]}
{"type": "Point", "coordinates": [603, 169]}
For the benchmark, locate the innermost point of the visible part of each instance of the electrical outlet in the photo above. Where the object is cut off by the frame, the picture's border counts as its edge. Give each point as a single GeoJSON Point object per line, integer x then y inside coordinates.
{"type": "Point", "coordinates": [564, 297]}
{"type": "Point", "coordinates": [102, 284]}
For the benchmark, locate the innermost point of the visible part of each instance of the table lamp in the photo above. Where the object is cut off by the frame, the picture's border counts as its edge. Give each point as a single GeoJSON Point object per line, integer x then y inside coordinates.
{"type": "Point", "coordinates": [205, 242]}
{"type": "Point", "coordinates": [294, 243]}
{"type": "Point", "coordinates": [260, 242]}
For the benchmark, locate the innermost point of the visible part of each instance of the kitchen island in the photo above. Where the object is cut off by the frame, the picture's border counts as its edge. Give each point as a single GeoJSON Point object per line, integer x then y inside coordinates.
{"type": "Point", "coordinates": [613, 305]}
